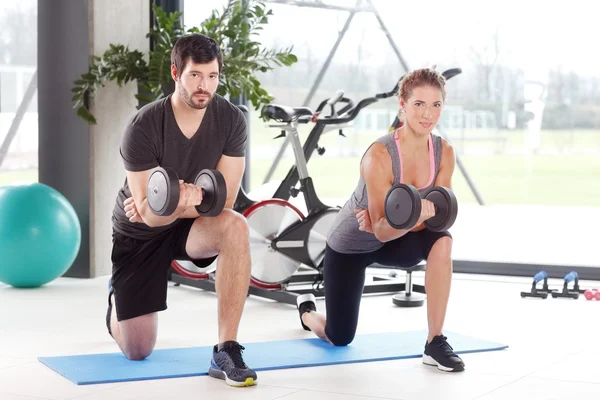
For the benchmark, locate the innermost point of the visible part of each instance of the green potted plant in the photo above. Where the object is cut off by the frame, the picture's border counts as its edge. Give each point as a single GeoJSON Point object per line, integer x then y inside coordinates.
{"type": "Point", "coordinates": [234, 28]}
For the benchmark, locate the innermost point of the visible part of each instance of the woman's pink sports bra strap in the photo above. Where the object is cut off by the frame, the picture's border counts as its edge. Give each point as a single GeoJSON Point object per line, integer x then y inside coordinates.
{"type": "Point", "coordinates": [431, 159]}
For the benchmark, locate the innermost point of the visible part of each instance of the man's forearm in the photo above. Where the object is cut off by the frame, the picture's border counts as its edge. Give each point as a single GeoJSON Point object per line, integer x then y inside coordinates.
{"type": "Point", "coordinates": [154, 220]}
{"type": "Point", "coordinates": [190, 212]}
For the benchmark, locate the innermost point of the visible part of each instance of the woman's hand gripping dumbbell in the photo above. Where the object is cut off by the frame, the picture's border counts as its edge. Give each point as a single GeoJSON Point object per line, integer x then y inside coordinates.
{"type": "Point", "coordinates": [405, 209]}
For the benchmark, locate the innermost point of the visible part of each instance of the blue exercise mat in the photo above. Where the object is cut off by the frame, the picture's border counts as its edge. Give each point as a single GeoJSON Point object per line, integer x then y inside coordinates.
{"type": "Point", "coordinates": [260, 356]}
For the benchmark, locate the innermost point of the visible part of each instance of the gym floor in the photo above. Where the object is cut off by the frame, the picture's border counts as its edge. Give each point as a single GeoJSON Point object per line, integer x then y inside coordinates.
{"type": "Point", "coordinates": [553, 351]}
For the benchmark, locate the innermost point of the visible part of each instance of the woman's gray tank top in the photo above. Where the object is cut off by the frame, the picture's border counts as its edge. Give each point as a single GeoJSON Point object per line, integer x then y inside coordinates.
{"type": "Point", "coordinates": [345, 236]}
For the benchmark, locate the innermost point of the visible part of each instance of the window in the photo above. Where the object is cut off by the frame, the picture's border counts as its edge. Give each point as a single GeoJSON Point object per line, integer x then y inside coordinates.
{"type": "Point", "coordinates": [18, 59]}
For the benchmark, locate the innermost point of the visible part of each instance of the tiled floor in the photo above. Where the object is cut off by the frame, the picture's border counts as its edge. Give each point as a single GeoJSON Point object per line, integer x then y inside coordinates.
{"type": "Point", "coordinates": [553, 351]}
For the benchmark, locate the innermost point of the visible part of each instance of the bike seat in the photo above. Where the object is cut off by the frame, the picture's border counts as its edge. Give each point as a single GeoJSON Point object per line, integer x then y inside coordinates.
{"type": "Point", "coordinates": [284, 113]}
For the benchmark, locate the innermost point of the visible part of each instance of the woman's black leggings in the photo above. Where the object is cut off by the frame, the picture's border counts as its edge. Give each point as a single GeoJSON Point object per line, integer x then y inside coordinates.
{"type": "Point", "coordinates": [344, 278]}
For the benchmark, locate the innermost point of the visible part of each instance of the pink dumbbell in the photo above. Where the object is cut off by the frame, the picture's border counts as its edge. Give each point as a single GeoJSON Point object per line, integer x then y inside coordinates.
{"type": "Point", "coordinates": [592, 294]}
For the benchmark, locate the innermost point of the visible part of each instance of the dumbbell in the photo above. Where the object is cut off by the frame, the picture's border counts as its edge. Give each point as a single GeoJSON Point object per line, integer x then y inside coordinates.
{"type": "Point", "coordinates": [592, 294]}
{"type": "Point", "coordinates": [162, 192]}
{"type": "Point", "coordinates": [403, 207]}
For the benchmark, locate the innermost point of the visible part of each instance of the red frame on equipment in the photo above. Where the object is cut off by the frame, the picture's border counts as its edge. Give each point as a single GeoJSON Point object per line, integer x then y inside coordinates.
{"type": "Point", "coordinates": [202, 276]}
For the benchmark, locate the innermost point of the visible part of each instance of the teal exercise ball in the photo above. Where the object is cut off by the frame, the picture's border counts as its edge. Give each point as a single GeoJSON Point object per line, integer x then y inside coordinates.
{"type": "Point", "coordinates": [40, 235]}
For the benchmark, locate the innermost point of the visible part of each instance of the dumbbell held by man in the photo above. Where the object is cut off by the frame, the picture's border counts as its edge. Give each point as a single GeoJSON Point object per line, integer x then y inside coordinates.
{"type": "Point", "coordinates": [208, 193]}
{"type": "Point", "coordinates": [404, 206]}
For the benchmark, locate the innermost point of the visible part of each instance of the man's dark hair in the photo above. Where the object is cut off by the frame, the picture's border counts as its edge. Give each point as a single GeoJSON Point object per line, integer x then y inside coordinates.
{"type": "Point", "coordinates": [199, 48]}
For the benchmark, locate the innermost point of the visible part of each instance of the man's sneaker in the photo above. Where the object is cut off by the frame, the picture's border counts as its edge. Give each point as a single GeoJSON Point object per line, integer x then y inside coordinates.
{"type": "Point", "coordinates": [439, 353]}
{"type": "Point", "coordinates": [227, 364]}
{"type": "Point", "coordinates": [306, 303]}
{"type": "Point", "coordinates": [109, 310]}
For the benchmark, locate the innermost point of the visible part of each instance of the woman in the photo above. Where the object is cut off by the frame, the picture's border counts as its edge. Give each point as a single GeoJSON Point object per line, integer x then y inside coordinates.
{"type": "Point", "coordinates": [362, 236]}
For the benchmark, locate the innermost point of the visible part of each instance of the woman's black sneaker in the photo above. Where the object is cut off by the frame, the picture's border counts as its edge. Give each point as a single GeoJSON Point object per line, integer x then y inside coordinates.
{"type": "Point", "coordinates": [439, 353]}
{"type": "Point", "coordinates": [306, 303]}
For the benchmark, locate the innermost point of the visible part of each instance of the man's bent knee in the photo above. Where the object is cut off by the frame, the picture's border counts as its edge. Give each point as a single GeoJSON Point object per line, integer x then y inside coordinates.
{"type": "Point", "coordinates": [138, 351]}
{"type": "Point", "coordinates": [235, 225]}
{"type": "Point", "coordinates": [138, 348]}
{"type": "Point", "coordinates": [138, 336]}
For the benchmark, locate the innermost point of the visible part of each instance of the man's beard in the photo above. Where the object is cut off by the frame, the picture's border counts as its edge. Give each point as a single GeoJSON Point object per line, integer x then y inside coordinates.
{"type": "Point", "coordinates": [195, 103]}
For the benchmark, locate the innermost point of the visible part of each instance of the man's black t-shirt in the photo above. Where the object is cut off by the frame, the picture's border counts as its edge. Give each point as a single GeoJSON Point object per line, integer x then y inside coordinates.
{"type": "Point", "coordinates": [153, 138]}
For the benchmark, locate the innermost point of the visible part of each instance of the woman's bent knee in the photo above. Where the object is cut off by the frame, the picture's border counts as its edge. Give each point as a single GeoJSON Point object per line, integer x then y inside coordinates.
{"type": "Point", "coordinates": [443, 246]}
{"type": "Point", "coordinates": [339, 339]}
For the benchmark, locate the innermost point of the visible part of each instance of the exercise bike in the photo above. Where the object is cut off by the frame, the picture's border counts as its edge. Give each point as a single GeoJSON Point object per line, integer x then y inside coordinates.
{"type": "Point", "coordinates": [282, 238]}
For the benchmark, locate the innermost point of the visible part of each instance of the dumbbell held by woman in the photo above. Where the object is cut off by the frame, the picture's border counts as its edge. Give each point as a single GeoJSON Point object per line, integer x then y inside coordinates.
{"type": "Point", "coordinates": [403, 207]}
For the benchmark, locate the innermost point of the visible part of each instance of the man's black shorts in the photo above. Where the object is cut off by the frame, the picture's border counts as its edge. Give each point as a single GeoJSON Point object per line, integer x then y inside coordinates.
{"type": "Point", "coordinates": [140, 269]}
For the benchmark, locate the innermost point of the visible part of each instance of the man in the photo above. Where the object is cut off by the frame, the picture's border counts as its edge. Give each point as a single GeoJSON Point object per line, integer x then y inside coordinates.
{"type": "Point", "coordinates": [192, 129]}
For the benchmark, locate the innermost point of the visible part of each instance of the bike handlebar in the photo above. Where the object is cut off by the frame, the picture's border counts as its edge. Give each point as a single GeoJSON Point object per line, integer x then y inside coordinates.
{"type": "Point", "coordinates": [332, 101]}
{"type": "Point", "coordinates": [349, 116]}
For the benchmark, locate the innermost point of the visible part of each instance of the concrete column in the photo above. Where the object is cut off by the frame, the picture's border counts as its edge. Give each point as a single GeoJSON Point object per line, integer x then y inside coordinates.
{"type": "Point", "coordinates": [64, 141]}
{"type": "Point", "coordinates": [79, 160]}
